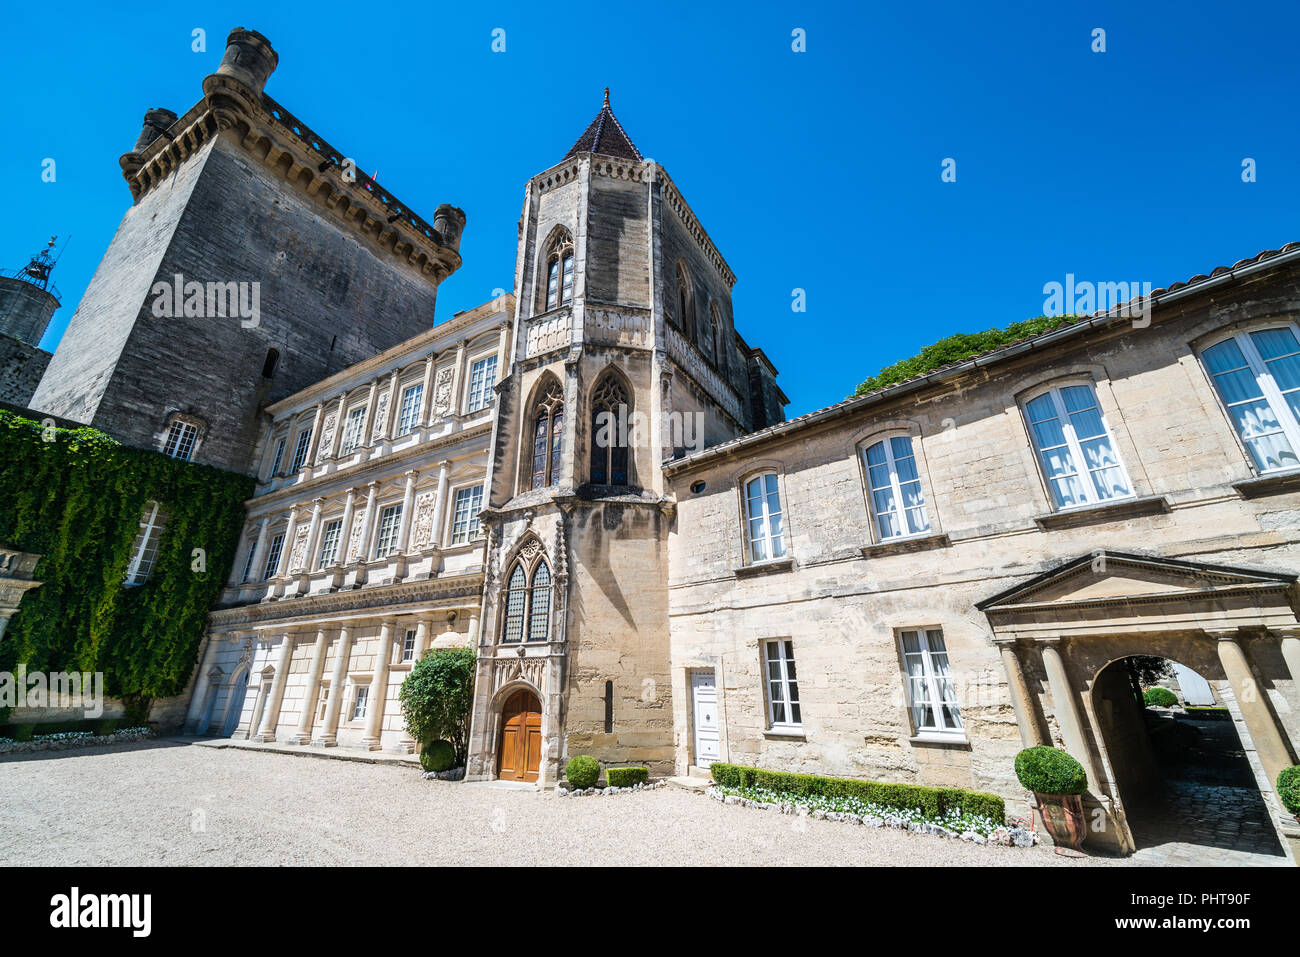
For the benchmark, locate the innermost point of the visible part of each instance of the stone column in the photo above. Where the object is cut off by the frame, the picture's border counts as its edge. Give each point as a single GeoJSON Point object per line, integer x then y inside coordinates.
{"type": "Point", "coordinates": [275, 697]}
{"type": "Point", "coordinates": [368, 522]}
{"type": "Point", "coordinates": [1291, 652]}
{"type": "Point", "coordinates": [458, 379]}
{"type": "Point", "coordinates": [473, 627]}
{"type": "Point", "coordinates": [345, 527]}
{"type": "Point", "coordinates": [368, 426]}
{"type": "Point", "coordinates": [313, 535]}
{"type": "Point", "coordinates": [259, 551]}
{"type": "Point", "coordinates": [408, 506]}
{"type": "Point", "coordinates": [440, 505]}
{"type": "Point", "coordinates": [1026, 719]}
{"type": "Point", "coordinates": [200, 696]}
{"type": "Point", "coordinates": [501, 354]}
{"type": "Point", "coordinates": [379, 688]}
{"type": "Point", "coordinates": [286, 550]}
{"type": "Point", "coordinates": [313, 690]}
{"type": "Point", "coordinates": [337, 439]}
{"type": "Point", "coordinates": [1270, 741]}
{"type": "Point", "coordinates": [394, 399]}
{"type": "Point", "coordinates": [426, 404]}
{"type": "Point", "coordinates": [1066, 703]}
{"type": "Point", "coordinates": [423, 635]}
{"type": "Point", "coordinates": [310, 461]}
{"type": "Point", "coordinates": [328, 737]}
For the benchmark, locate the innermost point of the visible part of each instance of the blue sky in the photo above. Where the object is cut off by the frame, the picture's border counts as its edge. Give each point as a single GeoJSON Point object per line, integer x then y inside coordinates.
{"type": "Point", "coordinates": [817, 170]}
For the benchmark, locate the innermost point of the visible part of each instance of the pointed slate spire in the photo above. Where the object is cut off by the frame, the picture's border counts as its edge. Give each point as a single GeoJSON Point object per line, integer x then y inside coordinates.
{"type": "Point", "coordinates": [606, 136]}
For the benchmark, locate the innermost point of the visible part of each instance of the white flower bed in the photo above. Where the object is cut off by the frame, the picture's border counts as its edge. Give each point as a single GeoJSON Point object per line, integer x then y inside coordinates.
{"type": "Point", "coordinates": [561, 791]}
{"type": "Point", "coordinates": [451, 774]}
{"type": "Point", "coordinates": [63, 740]}
{"type": "Point", "coordinates": [955, 824]}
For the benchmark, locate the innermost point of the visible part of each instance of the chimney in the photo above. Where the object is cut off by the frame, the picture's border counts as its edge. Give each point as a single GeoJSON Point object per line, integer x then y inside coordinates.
{"type": "Point", "coordinates": [248, 59]}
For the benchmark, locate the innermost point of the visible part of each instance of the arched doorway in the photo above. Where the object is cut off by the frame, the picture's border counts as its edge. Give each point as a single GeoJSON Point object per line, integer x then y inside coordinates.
{"type": "Point", "coordinates": [1183, 775]}
{"type": "Point", "coordinates": [519, 747]}
{"type": "Point", "coordinates": [235, 703]}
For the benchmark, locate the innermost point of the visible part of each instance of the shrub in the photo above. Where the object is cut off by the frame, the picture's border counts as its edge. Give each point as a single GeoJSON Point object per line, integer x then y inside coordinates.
{"type": "Point", "coordinates": [438, 756]}
{"type": "Point", "coordinates": [626, 777]}
{"type": "Point", "coordinates": [1288, 788]}
{"type": "Point", "coordinates": [930, 800]}
{"type": "Point", "coordinates": [436, 698]}
{"type": "Point", "coordinates": [1045, 770]}
{"type": "Point", "coordinates": [1159, 698]}
{"type": "Point", "coordinates": [582, 771]}
{"type": "Point", "coordinates": [24, 732]}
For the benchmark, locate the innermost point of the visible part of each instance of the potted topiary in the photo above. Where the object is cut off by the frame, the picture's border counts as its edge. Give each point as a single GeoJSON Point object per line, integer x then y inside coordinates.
{"type": "Point", "coordinates": [1288, 789]}
{"type": "Point", "coordinates": [582, 771]}
{"type": "Point", "coordinates": [1057, 781]}
{"type": "Point", "coordinates": [437, 756]}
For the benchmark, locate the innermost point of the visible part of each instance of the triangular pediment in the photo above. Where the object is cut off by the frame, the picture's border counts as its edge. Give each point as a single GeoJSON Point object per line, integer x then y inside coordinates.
{"type": "Point", "coordinates": [1104, 576]}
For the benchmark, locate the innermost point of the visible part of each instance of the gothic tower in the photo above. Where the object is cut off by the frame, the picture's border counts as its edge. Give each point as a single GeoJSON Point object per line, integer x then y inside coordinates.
{"type": "Point", "coordinates": [255, 260]}
{"type": "Point", "coordinates": [624, 355]}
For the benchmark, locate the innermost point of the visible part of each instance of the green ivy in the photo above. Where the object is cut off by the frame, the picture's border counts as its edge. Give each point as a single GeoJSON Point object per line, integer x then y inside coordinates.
{"type": "Point", "coordinates": [75, 496]}
{"type": "Point", "coordinates": [954, 348]}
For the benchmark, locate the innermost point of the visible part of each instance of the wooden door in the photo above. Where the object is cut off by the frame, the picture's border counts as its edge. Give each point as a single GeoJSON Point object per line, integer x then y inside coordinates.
{"type": "Point", "coordinates": [520, 750]}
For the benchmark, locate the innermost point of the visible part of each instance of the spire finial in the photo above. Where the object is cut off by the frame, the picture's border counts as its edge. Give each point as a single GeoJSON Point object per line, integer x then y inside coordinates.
{"type": "Point", "coordinates": [606, 97]}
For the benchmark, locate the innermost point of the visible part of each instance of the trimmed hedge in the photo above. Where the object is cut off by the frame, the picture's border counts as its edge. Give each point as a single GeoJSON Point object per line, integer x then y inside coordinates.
{"type": "Point", "coordinates": [1159, 698]}
{"type": "Point", "coordinates": [929, 800]}
{"type": "Point", "coordinates": [626, 777]}
{"type": "Point", "coordinates": [582, 771]}
{"type": "Point", "coordinates": [1045, 770]}
{"type": "Point", "coordinates": [96, 726]}
{"type": "Point", "coordinates": [438, 756]}
{"type": "Point", "coordinates": [1288, 788]}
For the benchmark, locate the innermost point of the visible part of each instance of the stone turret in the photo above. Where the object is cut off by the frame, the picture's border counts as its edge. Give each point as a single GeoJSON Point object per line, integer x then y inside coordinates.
{"type": "Point", "coordinates": [449, 222]}
{"type": "Point", "coordinates": [156, 122]}
{"type": "Point", "coordinates": [249, 59]}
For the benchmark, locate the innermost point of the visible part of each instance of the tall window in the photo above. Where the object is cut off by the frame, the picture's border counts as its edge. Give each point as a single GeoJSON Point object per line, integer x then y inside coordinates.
{"type": "Point", "coordinates": [329, 543]}
{"type": "Point", "coordinates": [763, 525]}
{"type": "Point", "coordinates": [896, 495]}
{"type": "Point", "coordinates": [610, 414]}
{"type": "Point", "coordinates": [145, 550]}
{"type": "Point", "coordinates": [930, 691]}
{"type": "Point", "coordinates": [685, 302]}
{"type": "Point", "coordinates": [548, 428]}
{"type": "Point", "coordinates": [782, 685]}
{"type": "Point", "coordinates": [248, 561]}
{"type": "Point", "coordinates": [389, 521]}
{"type": "Point", "coordinates": [464, 517]}
{"type": "Point", "coordinates": [359, 701]}
{"type": "Point", "coordinates": [559, 273]}
{"type": "Point", "coordinates": [1075, 447]}
{"type": "Point", "coordinates": [279, 457]}
{"type": "Point", "coordinates": [528, 604]}
{"type": "Point", "coordinates": [719, 352]}
{"type": "Point", "coordinates": [408, 645]}
{"type": "Point", "coordinates": [482, 376]}
{"type": "Point", "coordinates": [300, 450]}
{"type": "Point", "coordinates": [1257, 376]}
{"type": "Point", "coordinates": [408, 416]}
{"type": "Point", "coordinates": [273, 557]}
{"type": "Point", "coordinates": [180, 440]}
{"type": "Point", "coordinates": [352, 430]}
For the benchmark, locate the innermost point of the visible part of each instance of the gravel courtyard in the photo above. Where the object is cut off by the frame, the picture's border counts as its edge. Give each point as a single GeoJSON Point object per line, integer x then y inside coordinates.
{"type": "Point", "coordinates": [165, 803]}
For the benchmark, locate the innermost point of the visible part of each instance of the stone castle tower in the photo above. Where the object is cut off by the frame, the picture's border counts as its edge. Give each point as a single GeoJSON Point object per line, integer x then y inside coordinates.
{"type": "Point", "coordinates": [28, 299]}
{"type": "Point", "coordinates": [255, 260]}
{"type": "Point", "coordinates": [624, 354]}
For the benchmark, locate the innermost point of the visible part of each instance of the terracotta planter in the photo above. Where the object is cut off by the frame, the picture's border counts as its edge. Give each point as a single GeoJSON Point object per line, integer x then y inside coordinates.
{"type": "Point", "coordinates": [1063, 816]}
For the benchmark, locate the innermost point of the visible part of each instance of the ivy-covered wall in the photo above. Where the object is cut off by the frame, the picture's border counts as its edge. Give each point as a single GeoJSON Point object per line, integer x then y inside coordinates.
{"type": "Point", "coordinates": [76, 496]}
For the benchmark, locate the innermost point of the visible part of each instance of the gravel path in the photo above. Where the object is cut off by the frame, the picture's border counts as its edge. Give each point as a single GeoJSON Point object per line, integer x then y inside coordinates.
{"type": "Point", "coordinates": [162, 803]}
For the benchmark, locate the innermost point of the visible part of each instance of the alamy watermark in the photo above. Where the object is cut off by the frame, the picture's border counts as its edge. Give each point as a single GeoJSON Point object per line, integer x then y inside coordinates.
{"type": "Point", "coordinates": [59, 689]}
{"type": "Point", "coordinates": [1129, 300]}
{"type": "Point", "coordinates": [181, 299]}
{"type": "Point", "coordinates": [623, 429]}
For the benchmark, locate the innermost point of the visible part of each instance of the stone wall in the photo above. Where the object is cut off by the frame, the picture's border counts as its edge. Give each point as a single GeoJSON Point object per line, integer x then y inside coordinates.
{"type": "Point", "coordinates": [21, 368]}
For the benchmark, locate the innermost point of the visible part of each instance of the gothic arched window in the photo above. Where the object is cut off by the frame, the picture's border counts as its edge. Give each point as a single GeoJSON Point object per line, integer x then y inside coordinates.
{"type": "Point", "coordinates": [685, 302]}
{"type": "Point", "coordinates": [559, 272]}
{"type": "Point", "coordinates": [548, 429]}
{"type": "Point", "coordinates": [610, 414]}
{"type": "Point", "coordinates": [719, 338]}
{"type": "Point", "coordinates": [528, 604]}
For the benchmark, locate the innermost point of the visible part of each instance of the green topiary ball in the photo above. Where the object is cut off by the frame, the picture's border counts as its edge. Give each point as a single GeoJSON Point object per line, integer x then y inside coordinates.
{"type": "Point", "coordinates": [1288, 788]}
{"type": "Point", "coordinates": [1045, 770]}
{"type": "Point", "coordinates": [1159, 698]}
{"type": "Point", "coordinates": [437, 756]}
{"type": "Point", "coordinates": [582, 771]}
{"type": "Point", "coordinates": [627, 777]}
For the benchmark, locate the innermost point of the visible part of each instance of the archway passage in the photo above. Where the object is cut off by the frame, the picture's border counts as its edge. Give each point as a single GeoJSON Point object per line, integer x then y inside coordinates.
{"type": "Point", "coordinates": [1183, 773]}
{"type": "Point", "coordinates": [519, 750]}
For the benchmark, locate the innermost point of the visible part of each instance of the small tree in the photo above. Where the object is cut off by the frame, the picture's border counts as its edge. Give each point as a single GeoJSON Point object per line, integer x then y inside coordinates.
{"type": "Point", "coordinates": [436, 698]}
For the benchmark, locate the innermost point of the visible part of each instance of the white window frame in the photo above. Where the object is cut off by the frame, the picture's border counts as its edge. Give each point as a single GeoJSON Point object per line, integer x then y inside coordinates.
{"type": "Point", "coordinates": [354, 425]}
{"type": "Point", "coordinates": [480, 386]}
{"type": "Point", "coordinates": [896, 486]}
{"type": "Point", "coordinates": [789, 686]}
{"type": "Point", "coordinates": [472, 529]}
{"type": "Point", "coordinates": [300, 449]}
{"type": "Point", "coordinates": [144, 554]}
{"type": "Point", "coordinates": [1081, 470]}
{"type": "Point", "coordinates": [408, 409]}
{"type": "Point", "coordinates": [360, 702]}
{"type": "Point", "coordinates": [273, 550]}
{"type": "Point", "coordinates": [248, 559]}
{"type": "Point", "coordinates": [325, 542]}
{"type": "Point", "coordinates": [771, 542]}
{"type": "Point", "coordinates": [281, 441]}
{"type": "Point", "coordinates": [394, 531]}
{"type": "Point", "coordinates": [1267, 385]}
{"type": "Point", "coordinates": [932, 681]}
{"type": "Point", "coordinates": [407, 653]}
{"type": "Point", "coordinates": [177, 432]}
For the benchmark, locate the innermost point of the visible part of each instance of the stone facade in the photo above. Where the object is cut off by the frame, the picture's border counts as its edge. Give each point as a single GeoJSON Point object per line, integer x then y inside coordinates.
{"type": "Point", "coordinates": [21, 368]}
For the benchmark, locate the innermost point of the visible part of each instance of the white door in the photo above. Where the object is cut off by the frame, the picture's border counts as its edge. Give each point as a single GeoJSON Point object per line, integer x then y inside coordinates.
{"type": "Point", "coordinates": [704, 696]}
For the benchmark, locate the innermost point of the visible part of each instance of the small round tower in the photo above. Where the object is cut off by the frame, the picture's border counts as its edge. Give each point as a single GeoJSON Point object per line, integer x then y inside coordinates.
{"type": "Point", "coordinates": [28, 298]}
